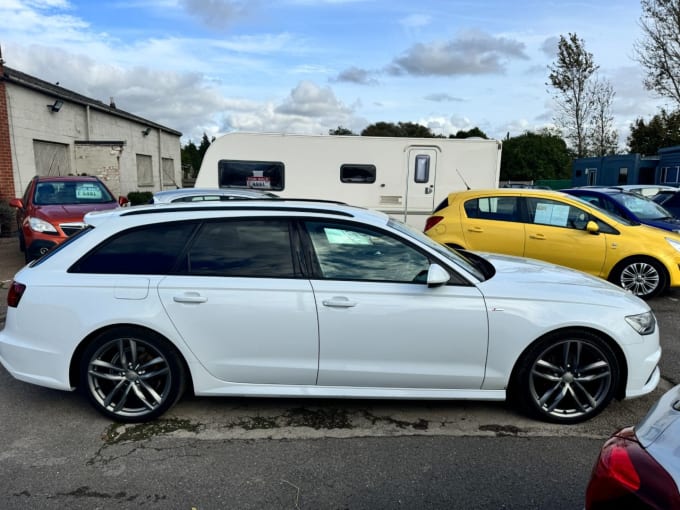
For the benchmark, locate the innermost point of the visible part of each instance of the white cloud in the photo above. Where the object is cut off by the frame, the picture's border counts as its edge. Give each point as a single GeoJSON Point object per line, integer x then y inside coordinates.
{"type": "Point", "coordinates": [472, 53]}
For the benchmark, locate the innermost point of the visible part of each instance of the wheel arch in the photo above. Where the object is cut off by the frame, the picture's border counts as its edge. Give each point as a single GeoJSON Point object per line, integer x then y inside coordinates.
{"type": "Point", "coordinates": [76, 359]}
{"type": "Point", "coordinates": [611, 343]}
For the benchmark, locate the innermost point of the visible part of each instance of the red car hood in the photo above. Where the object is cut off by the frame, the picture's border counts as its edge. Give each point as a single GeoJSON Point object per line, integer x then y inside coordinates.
{"type": "Point", "coordinates": [69, 212]}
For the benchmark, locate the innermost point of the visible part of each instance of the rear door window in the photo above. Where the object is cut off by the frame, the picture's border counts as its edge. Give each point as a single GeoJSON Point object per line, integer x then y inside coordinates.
{"type": "Point", "coordinates": [243, 248]}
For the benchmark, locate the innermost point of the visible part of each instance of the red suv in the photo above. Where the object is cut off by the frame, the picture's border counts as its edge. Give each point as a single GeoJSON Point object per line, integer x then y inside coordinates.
{"type": "Point", "coordinates": [53, 208]}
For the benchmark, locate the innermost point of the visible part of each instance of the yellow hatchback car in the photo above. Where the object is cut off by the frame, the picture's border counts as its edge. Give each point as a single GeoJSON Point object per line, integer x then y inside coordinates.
{"type": "Point", "coordinates": [562, 229]}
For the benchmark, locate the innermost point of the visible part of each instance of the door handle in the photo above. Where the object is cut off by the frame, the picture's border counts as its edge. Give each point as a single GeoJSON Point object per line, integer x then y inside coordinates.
{"type": "Point", "coordinates": [475, 229]}
{"type": "Point", "coordinates": [538, 237]}
{"type": "Point", "coordinates": [339, 302]}
{"type": "Point", "coordinates": [191, 297]}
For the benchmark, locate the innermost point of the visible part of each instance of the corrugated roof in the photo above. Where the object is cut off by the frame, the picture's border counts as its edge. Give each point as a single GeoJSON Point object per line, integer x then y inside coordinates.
{"type": "Point", "coordinates": [26, 80]}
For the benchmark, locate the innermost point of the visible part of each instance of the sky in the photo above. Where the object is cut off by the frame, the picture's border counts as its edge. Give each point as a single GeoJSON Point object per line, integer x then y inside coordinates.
{"type": "Point", "coordinates": [308, 66]}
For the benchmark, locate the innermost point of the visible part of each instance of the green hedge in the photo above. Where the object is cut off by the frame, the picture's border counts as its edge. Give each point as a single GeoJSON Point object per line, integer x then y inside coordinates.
{"type": "Point", "coordinates": [140, 197]}
{"type": "Point", "coordinates": [7, 221]}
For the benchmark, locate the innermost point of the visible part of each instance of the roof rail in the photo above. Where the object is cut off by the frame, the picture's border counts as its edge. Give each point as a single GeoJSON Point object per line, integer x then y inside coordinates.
{"type": "Point", "coordinates": [222, 206]}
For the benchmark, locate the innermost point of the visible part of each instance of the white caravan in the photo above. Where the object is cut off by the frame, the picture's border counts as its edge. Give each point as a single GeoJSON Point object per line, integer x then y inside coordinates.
{"type": "Point", "coordinates": [403, 177]}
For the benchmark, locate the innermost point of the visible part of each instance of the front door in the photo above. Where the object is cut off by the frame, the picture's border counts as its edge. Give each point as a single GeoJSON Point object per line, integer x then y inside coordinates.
{"type": "Point", "coordinates": [557, 233]}
{"type": "Point", "coordinates": [380, 325]}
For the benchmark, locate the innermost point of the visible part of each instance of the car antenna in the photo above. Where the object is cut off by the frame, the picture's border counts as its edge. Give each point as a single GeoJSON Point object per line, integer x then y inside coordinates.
{"type": "Point", "coordinates": [462, 179]}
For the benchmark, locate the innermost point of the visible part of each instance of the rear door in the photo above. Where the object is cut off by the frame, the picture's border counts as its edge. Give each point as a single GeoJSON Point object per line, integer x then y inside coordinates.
{"type": "Point", "coordinates": [242, 306]}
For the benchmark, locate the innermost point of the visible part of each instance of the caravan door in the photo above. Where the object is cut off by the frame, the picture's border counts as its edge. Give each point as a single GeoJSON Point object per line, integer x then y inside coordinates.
{"type": "Point", "coordinates": [420, 182]}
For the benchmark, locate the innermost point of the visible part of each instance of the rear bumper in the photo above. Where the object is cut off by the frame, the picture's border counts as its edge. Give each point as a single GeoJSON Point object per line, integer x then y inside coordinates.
{"type": "Point", "coordinates": [24, 362]}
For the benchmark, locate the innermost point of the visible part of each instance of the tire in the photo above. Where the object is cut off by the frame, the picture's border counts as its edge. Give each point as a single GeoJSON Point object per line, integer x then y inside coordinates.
{"type": "Point", "coordinates": [567, 377]}
{"type": "Point", "coordinates": [644, 277]}
{"type": "Point", "coordinates": [131, 375]}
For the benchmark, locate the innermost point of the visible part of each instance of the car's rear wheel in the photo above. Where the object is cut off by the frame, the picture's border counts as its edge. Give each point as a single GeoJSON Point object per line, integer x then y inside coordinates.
{"type": "Point", "coordinates": [567, 377]}
{"type": "Point", "coordinates": [644, 277]}
{"type": "Point", "coordinates": [131, 375]}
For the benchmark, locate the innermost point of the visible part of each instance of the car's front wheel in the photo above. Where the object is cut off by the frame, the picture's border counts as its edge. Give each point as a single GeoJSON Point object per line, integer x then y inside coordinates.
{"type": "Point", "coordinates": [644, 277]}
{"type": "Point", "coordinates": [131, 375]}
{"type": "Point", "coordinates": [567, 377]}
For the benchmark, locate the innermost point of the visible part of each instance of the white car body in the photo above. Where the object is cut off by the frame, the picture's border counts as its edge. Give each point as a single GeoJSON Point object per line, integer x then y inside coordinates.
{"type": "Point", "coordinates": [320, 337]}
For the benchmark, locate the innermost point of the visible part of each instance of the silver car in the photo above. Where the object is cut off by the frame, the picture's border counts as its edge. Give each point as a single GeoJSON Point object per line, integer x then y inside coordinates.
{"type": "Point", "coordinates": [208, 194]}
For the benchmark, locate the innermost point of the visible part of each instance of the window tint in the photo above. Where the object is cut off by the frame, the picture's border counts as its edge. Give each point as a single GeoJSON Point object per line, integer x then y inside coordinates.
{"type": "Point", "coordinates": [493, 208]}
{"type": "Point", "coordinates": [152, 249]}
{"type": "Point", "coordinates": [352, 253]}
{"type": "Point", "coordinates": [266, 175]}
{"type": "Point", "coordinates": [257, 248]}
{"type": "Point", "coordinates": [358, 173]}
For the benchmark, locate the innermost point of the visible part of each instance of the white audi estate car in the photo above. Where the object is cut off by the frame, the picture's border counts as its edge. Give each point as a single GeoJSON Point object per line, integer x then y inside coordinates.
{"type": "Point", "coordinates": [315, 299]}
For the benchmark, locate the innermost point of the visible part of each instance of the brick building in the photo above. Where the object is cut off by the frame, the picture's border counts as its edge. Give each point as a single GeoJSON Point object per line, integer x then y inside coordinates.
{"type": "Point", "coordinates": [46, 129]}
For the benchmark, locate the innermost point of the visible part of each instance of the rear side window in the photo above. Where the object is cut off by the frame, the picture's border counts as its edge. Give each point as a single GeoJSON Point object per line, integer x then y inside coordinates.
{"type": "Point", "coordinates": [152, 249]}
{"type": "Point", "coordinates": [243, 247]}
{"type": "Point", "coordinates": [266, 175]}
{"type": "Point", "coordinates": [493, 208]}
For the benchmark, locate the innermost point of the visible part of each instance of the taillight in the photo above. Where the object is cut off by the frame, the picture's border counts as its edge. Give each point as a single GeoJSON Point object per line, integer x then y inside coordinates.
{"type": "Point", "coordinates": [626, 476]}
{"type": "Point", "coordinates": [16, 290]}
{"type": "Point", "coordinates": [432, 221]}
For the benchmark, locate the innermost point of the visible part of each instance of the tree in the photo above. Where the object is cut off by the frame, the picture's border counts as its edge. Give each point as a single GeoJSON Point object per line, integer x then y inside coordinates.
{"type": "Point", "coordinates": [191, 162]}
{"type": "Point", "coordinates": [533, 156]}
{"type": "Point", "coordinates": [403, 129]}
{"type": "Point", "coordinates": [340, 131]}
{"type": "Point", "coordinates": [569, 77]}
{"type": "Point", "coordinates": [659, 50]}
{"type": "Point", "coordinates": [474, 132]}
{"type": "Point", "coordinates": [605, 138]}
{"type": "Point", "coordinates": [192, 156]}
{"type": "Point", "coordinates": [663, 130]}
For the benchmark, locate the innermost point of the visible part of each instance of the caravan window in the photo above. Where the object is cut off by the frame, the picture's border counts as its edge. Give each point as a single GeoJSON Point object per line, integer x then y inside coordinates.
{"type": "Point", "coordinates": [364, 174]}
{"type": "Point", "coordinates": [422, 172]}
{"type": "Point", "coordinates": [268, 175]}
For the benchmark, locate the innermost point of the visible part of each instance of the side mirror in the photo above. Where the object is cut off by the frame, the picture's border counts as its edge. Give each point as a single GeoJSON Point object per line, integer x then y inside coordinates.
{"type": "Point", "coordinates": [437, 275]}
{"type": "Point", "coordinates": [16, 202]}
{"type": "Point", "coordinates": [592, 227]}
{"type": "Point", "coordinates": [123, 201]}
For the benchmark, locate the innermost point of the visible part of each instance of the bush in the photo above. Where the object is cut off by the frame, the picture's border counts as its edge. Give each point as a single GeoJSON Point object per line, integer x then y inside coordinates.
{"type": "Point", "coordinates": [140, 197]}
{"type": "Point", "coordinates": [7, 221]}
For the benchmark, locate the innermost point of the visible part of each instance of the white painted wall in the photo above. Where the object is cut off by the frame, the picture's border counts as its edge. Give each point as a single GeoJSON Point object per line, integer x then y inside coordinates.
{"type": "Point", "coordinates": [30, 119]}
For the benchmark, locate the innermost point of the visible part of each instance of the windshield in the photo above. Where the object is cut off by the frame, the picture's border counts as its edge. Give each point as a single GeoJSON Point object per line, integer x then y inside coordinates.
{"type": "Point", "coordinates": [643, 208]}
{"type": "Point", "coordinates": [71, 193]}
{"type": "Point", "coordinates": [451, 255]}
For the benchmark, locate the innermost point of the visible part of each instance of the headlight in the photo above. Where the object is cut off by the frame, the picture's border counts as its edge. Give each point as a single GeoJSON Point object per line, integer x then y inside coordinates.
{"type": "Point", "coordinates": [675, 244]}
{"type": "Point", "coordinates": [38, 225]}
{"type": "Point", "coordinates": [643, 323]}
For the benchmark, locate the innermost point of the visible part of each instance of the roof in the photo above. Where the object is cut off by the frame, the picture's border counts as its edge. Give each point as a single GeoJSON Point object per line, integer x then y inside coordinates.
{"type": "Point", "coordinates": [31, 82]}
{"type": "Point", "coordinates": [199, 210]}
{"type": "Point", "coordinates": [65, 178]}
